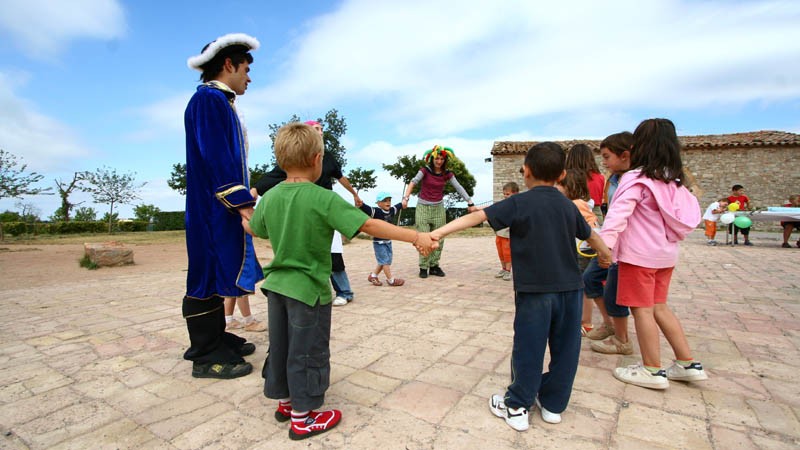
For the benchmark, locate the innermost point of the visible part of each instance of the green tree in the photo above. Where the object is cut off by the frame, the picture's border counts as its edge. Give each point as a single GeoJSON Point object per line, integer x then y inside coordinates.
{"type": "Point", "coordinates": [65, 189]}
{"type": "Point", "coordinates": [334, 127]}
{"type": "Point", "coordinates": [145, 212]}
{"type": "Point", "coordinates": [406, 168]}
{"type": "Point", "coordinates": [14, 181]}
{"type": "Point", "coordinates": [257, 172]}
{"type": "Point", "coordinates": [110, 188]}
{"type": "Point", "coordinates": [110, 219]}
{"type": "Point", "coordinates": [177, 178]}
{"type": "Point", "coordinates": [362, 179]}
{"type": "Point", "coordinates": [85, 214]}
{"type": "Point", "coordinates": [10, 216]}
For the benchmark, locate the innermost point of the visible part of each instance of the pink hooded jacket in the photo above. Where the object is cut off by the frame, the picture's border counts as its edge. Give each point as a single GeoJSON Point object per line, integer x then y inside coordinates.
{"type": "Point", "coordinates": [647, 219]}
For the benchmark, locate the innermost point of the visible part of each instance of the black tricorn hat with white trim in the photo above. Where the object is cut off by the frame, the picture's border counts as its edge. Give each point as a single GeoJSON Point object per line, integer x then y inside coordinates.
{"type": "Point", "coordinates": [214, 47]}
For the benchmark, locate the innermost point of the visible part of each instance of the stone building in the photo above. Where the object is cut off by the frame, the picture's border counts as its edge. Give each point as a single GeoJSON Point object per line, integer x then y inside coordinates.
{"type": "Point", "coordinates": [766, 163]}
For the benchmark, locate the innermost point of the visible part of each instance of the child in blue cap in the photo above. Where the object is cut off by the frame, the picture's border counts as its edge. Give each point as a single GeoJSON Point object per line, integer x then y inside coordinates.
{"type": "Point", "coordinates": [383, 247]}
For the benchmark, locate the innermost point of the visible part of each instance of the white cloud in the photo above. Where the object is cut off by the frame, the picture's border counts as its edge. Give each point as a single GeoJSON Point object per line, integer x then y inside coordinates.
{"type": "Point", "coordinates": [43, 28]}
{"type": "Point", "coordinates": [43, 142]}
{"type": "Point", "coordinates": [445, 67]}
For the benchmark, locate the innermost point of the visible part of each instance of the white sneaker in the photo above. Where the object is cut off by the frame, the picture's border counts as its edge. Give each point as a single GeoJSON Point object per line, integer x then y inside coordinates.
{"type": "Point", "coordinates": [694, 372]}
{"type": "Point", "coordinates": [233, 324]}
{"type": "Point", "coordinates": [500, 274]}
{"type": "Point", "coordinates": [516, 418]}
{"type": "Point", "coordinates": [339, 301]}
{"type": "Point", "coordinates": [639, 376]}
{"type": "Point", "coordinates": [547, 416]}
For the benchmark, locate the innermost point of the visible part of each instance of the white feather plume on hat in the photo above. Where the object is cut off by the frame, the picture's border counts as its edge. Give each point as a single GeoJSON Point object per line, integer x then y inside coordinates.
{"type": "Point", "coordinates": [211, 50]}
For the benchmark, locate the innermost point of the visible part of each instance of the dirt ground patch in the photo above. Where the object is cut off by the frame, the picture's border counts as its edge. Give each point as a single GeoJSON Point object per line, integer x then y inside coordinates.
{"type": "Point", "coordinates": [29, 266]}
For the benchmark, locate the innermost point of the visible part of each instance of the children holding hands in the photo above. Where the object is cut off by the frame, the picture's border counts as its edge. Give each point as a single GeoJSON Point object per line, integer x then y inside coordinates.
{"type": "Point", "coordinates": [299, 218]}
{"type": "Point", "coordinates": [543, 226]}
{"type": "Point", "coordinates": [382, 246]}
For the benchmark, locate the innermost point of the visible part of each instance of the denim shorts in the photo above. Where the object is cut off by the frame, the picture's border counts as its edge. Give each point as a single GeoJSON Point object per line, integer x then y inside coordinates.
{"type": "Point", "coordinates": [593, 278]}
{"type": "Point", "coordinates": [383, 252]}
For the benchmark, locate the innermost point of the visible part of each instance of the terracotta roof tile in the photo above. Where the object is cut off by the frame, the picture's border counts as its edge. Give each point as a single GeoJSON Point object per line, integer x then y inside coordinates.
{"type": "Point", "coordinates": [766, 138]}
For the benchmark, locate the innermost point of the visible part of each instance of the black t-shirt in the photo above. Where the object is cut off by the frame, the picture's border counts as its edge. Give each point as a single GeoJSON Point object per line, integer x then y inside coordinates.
{"type": "Point", "coordinates": [330, 171]}
{"type": "Point", "coordinates": [543, 225]}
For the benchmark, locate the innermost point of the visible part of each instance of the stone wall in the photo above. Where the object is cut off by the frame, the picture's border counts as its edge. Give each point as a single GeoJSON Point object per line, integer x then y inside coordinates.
{"type": "Point", "coordinates": [769, 174]}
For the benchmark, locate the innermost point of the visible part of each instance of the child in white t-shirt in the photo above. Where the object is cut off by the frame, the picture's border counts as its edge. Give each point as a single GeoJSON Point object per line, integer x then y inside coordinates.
{"type": "Point", "coordinates": [711, 217]}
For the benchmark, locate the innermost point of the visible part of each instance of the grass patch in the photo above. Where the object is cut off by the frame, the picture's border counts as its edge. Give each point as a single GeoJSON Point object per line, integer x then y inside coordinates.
{"type": "Point", "coordinates": [87, 263]}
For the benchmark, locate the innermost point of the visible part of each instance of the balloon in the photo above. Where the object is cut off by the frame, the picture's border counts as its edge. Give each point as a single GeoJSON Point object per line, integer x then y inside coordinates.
{"type": "Point", "coordinates": [743, 222]}
{"type": "Point", "coordinates": [727, 218]}
{"type": "Point", "coordinates": [733, 207]}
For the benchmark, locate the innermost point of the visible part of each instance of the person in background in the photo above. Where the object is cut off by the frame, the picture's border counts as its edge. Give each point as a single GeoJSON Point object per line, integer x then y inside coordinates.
{"type": "Point", "coordinates": [581, 157]}
{"type": "Point", "coordinates": [794, 202]}
{"type": "Point", "coordinates": [430, 211]}
{"type": "Point", "coordinates": [711, 217]}
{"type": "Point", "coordinates": [502, 238]}
{"type": "Point", "coordinates": [737, 196]}
{"type": "Point", "coordinates": [382, 246]}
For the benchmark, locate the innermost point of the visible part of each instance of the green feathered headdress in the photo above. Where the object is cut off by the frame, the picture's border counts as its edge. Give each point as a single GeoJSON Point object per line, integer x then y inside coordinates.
{"type": "Point", "coordinates": [438, 150]}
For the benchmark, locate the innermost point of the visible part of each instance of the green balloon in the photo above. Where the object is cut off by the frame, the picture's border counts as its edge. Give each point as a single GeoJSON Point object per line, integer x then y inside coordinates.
{"type": "Point", "coordinates": [742, 222]}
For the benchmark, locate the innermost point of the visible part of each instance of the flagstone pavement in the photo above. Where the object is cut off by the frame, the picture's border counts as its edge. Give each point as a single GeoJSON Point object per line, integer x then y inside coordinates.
{"type": "Point", "coordinates": [95, 361]}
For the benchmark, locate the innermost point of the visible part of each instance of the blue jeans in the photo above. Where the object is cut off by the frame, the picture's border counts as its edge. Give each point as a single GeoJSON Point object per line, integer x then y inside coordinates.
{"type": "Point", "coordinates": [383, 253]}
{"type": "Point", "coordinates": [341, 284]}
{"type": "Point", "coordinates": [545, 319]}
{"type": "Point", "coordinates": [593, 278]}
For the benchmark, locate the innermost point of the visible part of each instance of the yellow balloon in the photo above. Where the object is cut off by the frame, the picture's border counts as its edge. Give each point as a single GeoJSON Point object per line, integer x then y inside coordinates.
{"type": "Point", "coordinates": [733, 207]}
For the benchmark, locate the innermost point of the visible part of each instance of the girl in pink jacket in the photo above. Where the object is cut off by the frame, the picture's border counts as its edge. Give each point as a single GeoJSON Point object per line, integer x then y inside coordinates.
{"type": "Point", "coordinates": [652, 212]}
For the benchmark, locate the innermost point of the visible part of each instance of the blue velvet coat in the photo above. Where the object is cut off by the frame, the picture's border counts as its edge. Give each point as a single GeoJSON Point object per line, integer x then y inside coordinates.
{"type": "Point", "coordinates": [222, 260]}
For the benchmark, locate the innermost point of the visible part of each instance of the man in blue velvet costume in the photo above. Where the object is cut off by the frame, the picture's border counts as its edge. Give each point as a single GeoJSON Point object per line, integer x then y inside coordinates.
{"type": "Point", "coordinates": [222, 261]}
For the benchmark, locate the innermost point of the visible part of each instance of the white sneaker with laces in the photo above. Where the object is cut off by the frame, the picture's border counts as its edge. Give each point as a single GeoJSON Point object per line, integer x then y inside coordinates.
{"type": "Point", "coordinates": [547, 416]}
{"type": "Point", "coordinates": [694, 372]}
{"type": "Point", "coordinates": [639, 376]}
{"type": "Point", "coordinates": [500, 274]}
{"type": "Point", "coordinates": [516, 418]}
{"type": "Point", "coordinates": [339, 301]}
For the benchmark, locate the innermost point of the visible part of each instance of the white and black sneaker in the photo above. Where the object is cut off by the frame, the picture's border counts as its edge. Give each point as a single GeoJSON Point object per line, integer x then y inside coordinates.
{"type": "Point", "coordinates": [516, 418]}
{"type": "Point", "coordinates": [693, 372]}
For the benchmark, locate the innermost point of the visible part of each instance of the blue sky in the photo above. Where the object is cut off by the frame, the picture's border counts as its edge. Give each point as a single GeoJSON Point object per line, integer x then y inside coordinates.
{"type": "Point", "coordinates": [92, 83]}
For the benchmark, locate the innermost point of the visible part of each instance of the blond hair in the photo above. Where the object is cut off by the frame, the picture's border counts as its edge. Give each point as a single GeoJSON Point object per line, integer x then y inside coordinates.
{"type": "Point", "coordinates": [296, 144]}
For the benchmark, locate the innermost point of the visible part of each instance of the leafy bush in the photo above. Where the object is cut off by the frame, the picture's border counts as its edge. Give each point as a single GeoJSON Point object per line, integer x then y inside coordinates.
{"type": "Point", "coordinates": [133, 225]}
{"type": "Point", "coordinates": [169, 220]}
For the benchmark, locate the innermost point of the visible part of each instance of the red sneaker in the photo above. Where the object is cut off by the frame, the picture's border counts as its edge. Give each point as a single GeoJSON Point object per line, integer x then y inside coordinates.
{"type": "Point", "coordinates": [314, 423]}
{"type": "Point", "coordinates": [284, 412]}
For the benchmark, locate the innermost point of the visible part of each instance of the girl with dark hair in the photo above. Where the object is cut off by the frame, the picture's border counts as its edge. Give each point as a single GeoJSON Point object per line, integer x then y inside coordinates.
{"type": "Point", "coordinates": [651, 213]}
{"type": "Point", "coordinates": [581, 157]}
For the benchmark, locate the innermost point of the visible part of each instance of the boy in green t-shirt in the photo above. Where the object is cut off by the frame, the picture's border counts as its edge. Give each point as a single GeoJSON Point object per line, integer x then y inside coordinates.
{"type": "Point", "coordinates": [299, 218]}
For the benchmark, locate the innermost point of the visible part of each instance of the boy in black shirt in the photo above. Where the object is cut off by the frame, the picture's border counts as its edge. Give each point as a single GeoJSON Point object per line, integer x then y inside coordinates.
{"type": "Point", "coordinates": [548, 287]}
{"type": "Point", "coordinates": [383, 247]}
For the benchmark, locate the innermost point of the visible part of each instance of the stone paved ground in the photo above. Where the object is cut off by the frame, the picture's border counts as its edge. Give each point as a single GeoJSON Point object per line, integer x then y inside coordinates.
{"type": "Point", "coordinates": [93, 360]}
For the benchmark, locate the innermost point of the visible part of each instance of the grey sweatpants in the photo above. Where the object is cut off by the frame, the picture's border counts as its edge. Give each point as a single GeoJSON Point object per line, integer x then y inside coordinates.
{"type": "Point", "coordinates": [298, 364]}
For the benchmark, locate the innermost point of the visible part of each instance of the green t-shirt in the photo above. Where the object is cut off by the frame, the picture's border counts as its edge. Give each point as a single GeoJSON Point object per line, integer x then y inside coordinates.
{"type": "Point", "coordinates": [299, 219]}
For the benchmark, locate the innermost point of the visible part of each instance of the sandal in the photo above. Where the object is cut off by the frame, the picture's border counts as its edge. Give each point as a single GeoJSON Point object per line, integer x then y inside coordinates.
{"type": "Point", "coordinates": [223, 371]}
{"type": "Point", "coordinates": [396, 282]}
{"type": "Point", "coordinates": [374, 280]}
